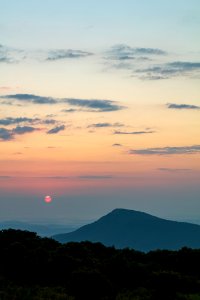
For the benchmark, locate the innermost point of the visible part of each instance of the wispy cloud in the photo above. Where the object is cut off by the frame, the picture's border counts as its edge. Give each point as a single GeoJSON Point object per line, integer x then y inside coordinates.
{"type": "Point", "coordinates": [169, 70]}
{"type": "Point", "coordinates": [95, 105]}
{"type": "Point", "coordinates": [167, 150]}
{"type": "Point", "coordinates": [30, 98]}
{"type": "Point", "coordinates": [182, 106]}
{"type": "Point", "coordinates": [4, 55]}
{"type": "Point", "coordinates": [91, 105]}
{"type": "Point", "coordinates": [95, 177]}
{"type": "Point", "coordinates": [149, 63]}
{"type": "Point", "coordinates": [71, 110]}
{"type": "Point", "coordinates": [117, 145]}
{"type": "Point", "coordinates": [61, 54]}
{"type": "Point", "coordinates": [12, 121]}
{"type": "Point", "coordinates": [9, 134]}
{"type": "Point", "coordinates": [102, 125]}
{"type": "Point", "coordinates": [56, 129]}
{"type": "Point", "coordinates": [174, 170]}
{"type": "Point", "coordinates": [123, 52]}
{"type": "Point", "coordinates": [10, 55]}
{"type": "Point", "coordinates": [13, 55]}
{"type": "Point", "coordinates": [48, 121]}
{"type": "Point", "coordinates": [4, 59]}
{"type": "Point", "coordinates": [134, 132]}
{"type": "Point", "coordinates": [5, 88]}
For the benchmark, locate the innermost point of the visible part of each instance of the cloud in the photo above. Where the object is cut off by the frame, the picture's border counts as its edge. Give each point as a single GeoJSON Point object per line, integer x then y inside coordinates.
{"type": "Point", "coordinates": [169, 70]}
{"type": "Point", "coordinates": [91, 105]}
{"type": "Point", "coordinates": [67, 54]}
{"type": "Point", "coordinates": [101, 125]}
{"type": "Point", "coordinates": [30, 98]}
{"type": "Point", "coordinates": [5, 134]}
{"type": "Point", "coordinates": [51, 147]}
{"type": "Point", "coordinates": [150, 51]}
{"type": "Point", "coordinates": [4, 55]}
{"type": "Point", "coordinates": [120, 65]}
{"type": "Point", "coordinates": [5, 88]}
{"type": "Point", "coordinates": [4, 59]}
{"type": "Point", "coordinates": [95, 105]}
{"type": "Point", "coordinates": [96, 177]}
{"type": "Point", "coordinates": [56, 129]}
{"type": "Point", "coordinates": [13, 55]}
{"type": "Point", "coordinates": [23, 129]}
{"type": "Point", "coordinates": [9, 134]}
{"type": "Point", "coordinates": [184, 65]}
{"type": "Point", "coordinates": [182, 106]}
{"type": "Point", "coordinates": [124, 52]}
{"type": "Point", "coordinates": [174, 170]}
{"type": "Point", "coordinates": [117, 145]}
{"type": "Point", "coordinates": [12, 121]}
{"type": "Point", "coordinates": [10, 55]}
{"type": "Point", "coordinates": [49, 121]}
{"type": "Point", "coordinates": [167, 150]}
{"type": "Point", "coordinates": [71, 110]}
{"type": "Point", "coordinates": [134, 132]}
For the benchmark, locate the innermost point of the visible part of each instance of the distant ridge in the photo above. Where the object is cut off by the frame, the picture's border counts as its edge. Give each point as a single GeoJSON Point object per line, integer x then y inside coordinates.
{"type": "Point", "coordinates": [134, 229]}
{"type": "Point", "coordinates": [41, 229]}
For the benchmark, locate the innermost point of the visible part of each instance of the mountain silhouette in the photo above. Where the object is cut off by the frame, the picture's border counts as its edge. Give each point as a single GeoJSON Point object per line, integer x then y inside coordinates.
{"type": "Point", "coordinates": [123, 228]}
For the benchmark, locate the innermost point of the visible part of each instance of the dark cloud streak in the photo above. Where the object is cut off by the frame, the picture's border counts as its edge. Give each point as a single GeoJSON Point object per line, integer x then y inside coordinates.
{"type": "Point", "coordinates": [95, 105]}
{"type": "Point", "coordinates": [95, 177]}
{"type": "Point", "coordinates": [91, 105]}
{"type": "Point", "coordinates": [182, 106]}
{"type": "Point", "coordinates": [134, 132]}
{"type": "Point", "coordinates": [173, 170]}
{"type": "Point", "coordinates": [167, 150]}
{"type": "Point", "coordinates": [61, 54]}
{"type": "Point", "coordinates": [30, 98]}
{"type": "Point", "coordinates": [117, 145]}
{"type": "Point", "coordinates": [168, 70]}
{"type": "Point", "coordinates": [123, 52]}
{"type": "Point", "coordinates": [12, 121]}
{"type": "Point", "coordinates": [102, 125]}
{"type": "Point", "coordinates": [56, 129]}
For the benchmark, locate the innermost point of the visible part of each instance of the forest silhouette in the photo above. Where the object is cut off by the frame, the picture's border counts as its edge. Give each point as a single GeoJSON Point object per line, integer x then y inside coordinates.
{"type": "Point", "coordinates": [38, 268]}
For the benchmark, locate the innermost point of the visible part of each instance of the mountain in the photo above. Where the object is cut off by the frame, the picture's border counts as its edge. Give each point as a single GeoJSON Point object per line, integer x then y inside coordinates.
{"type": "Point", "coordinates": [40, 229]}
{"type": "Point", "coordinates": [128, 228]}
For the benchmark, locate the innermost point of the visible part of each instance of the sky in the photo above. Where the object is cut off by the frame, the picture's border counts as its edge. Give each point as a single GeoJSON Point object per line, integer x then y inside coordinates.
{"type": "Point", "coordinates": [99, 108]}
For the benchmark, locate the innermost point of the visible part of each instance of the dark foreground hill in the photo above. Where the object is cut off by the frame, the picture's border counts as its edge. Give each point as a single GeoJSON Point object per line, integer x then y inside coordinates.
{"type": "Point", "coordinates": [35, 268]}
{"type": "Point", "coordinates": [128, 228]}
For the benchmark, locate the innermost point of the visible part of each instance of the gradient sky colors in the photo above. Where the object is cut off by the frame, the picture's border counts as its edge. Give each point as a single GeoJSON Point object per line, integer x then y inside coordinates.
{"type": "Point", "coordinates": [99, 108]}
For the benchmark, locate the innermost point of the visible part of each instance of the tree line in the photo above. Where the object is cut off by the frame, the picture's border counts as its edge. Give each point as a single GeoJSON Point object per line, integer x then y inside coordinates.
{"type": "Point", "coordinates": [35, 268]}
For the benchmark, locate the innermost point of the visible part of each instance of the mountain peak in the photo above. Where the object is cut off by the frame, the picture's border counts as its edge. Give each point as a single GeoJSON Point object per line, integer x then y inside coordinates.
{"type": "Point", "coordinates": [139, 230]}
{"type": "Point", "coordinates": [130, 214]}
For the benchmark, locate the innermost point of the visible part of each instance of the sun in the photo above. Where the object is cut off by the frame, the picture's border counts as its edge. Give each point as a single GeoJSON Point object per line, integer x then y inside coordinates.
{"type": "Point", "coordinates": [47, 199]}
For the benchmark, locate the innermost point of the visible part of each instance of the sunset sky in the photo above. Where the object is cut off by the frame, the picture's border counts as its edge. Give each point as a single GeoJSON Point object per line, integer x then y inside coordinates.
{"type": "Point", "coordinates": [99, 108]}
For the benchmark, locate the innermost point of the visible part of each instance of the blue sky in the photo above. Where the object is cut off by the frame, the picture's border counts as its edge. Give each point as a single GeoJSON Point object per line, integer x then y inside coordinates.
{"type": "Point", "coordinates": [98, 24]}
